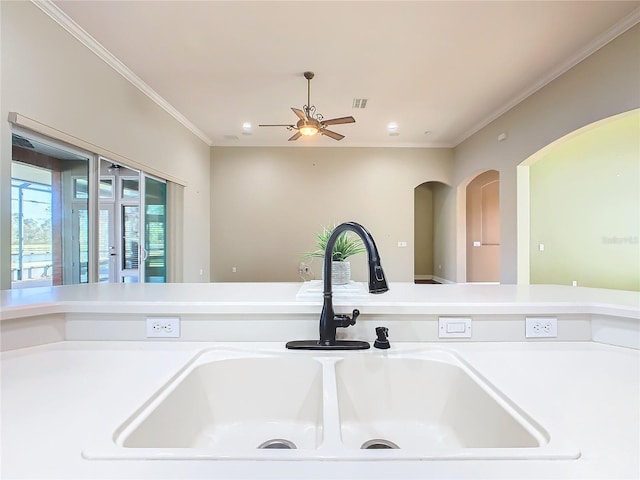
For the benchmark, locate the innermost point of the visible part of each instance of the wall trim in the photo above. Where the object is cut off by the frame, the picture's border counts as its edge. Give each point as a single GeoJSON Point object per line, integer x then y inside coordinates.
{"type": "Point", "coordinates": [442, 280]}
{"type": "Point", "coordinates": [62, 19]}
{"type": "Point", "coordinates": [423, 277]}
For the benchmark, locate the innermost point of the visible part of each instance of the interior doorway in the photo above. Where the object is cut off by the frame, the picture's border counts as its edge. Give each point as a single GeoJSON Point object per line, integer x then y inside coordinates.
{"type": "Point", "coordinates": [483, 228]}
{"type": "Point", "coordinates": [426, 266]}
{"type": "Point", "coordinates": [132, 228]}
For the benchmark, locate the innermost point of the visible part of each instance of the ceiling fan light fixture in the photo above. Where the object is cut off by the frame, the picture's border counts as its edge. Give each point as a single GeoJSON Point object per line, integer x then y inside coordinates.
{"type": "Point", "coordinates": [308, 130]}
{"type": "Point", "coordinates": [308, 127]}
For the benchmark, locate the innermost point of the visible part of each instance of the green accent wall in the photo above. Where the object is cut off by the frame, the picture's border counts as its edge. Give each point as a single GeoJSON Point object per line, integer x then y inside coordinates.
{"type": "Point", "coordinates": [585, 208]}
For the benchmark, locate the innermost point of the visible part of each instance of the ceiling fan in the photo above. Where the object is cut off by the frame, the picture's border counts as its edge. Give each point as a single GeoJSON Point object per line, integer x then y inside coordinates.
{"type": "Point", "coordinates": [310, 122]}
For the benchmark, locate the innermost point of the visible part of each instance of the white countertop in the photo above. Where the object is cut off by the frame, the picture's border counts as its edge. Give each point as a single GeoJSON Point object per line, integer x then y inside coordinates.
{"type": "Point", "coordinates": [268, 298]}
{"type": "Point", "coordinates": [58, 398]}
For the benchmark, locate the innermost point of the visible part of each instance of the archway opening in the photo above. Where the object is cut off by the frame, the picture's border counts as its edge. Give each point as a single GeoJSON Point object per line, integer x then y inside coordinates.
{"type": "Point", "coordinates": [427, 263]}
{"type": "Point", "coordinates": [482, 206]}
{"type": "Point", "coordinates": [578, 208]}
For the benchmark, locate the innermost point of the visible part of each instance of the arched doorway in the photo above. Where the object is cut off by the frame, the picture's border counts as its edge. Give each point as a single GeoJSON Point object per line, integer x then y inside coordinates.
{"type": "Point", "coordinates": [483, 228]}
{"type": "Point", "coordinates": [427, 267]}
{"type": "Point", "coordinates": [578, 208]}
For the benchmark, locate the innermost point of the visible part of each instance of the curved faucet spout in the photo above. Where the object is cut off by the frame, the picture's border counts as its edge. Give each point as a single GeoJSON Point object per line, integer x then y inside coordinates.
{"type": "Point", "coordinates": [377, 281]}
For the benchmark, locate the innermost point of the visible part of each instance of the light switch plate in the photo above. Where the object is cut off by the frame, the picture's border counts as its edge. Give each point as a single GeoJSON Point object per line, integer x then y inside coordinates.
{"type": "Point", "coordinates": [454, 327]}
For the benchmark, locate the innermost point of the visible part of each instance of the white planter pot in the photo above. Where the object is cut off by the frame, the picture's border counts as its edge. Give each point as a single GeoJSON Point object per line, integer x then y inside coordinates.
{"type": "Point", "coordinates": [340, 273]}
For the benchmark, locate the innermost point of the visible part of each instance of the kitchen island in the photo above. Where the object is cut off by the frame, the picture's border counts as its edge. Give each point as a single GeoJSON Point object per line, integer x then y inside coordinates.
{"type": "Point", "coordinates": [77, 364]}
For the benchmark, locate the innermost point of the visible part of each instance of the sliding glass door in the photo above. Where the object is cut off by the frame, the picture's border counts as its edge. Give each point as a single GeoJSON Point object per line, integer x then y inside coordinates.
{"type": "Point", "coordinates": [155, 230]}
{"type": "Point", "coordinates": [49, 220]}
{"type": "Point", "coordinates": [139, 221]}
{"type": "Point", "coordinates": [78, 218]}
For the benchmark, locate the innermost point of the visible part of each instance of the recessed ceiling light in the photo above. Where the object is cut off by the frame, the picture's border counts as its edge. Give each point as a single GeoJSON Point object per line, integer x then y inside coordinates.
{"type": "Point", "coordinates": [246, 126]}
{"type": "Point", "coordinates": [392, 127]}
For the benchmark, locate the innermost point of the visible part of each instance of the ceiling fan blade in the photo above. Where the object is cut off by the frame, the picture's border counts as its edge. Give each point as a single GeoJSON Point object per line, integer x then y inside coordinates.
{"type": "Point", "coordinates": [299, 113]}
{"type": "Point", "coordinates": [336, 121]}
{"type": "Point", "coordinates": [329, 133]}
{"type": "Point", "coordinates": [295, 136]}
{"type": "Point", "coordinates": [277, 125]}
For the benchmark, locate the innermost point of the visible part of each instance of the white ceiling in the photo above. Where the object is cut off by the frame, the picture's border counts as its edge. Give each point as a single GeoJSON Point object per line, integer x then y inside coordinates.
{"type": "Point", "coordinates": [443, 67]}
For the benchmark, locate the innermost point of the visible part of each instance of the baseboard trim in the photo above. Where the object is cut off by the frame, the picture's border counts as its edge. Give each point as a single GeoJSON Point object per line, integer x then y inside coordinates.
{"type": "Point", "coordinates": [442, 280]}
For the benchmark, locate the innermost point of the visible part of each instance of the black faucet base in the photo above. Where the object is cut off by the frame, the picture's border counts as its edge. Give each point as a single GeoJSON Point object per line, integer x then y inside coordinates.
{"type": "Point", "coordinates": [337, 345]}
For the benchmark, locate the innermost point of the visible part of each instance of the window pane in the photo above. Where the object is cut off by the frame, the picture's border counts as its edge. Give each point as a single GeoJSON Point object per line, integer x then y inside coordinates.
{"type": "Point", "coordinates": [155, 197]}
{"type": "Point", "coordinates": [80, 188]}
{"type": "Point", "coordinates": [130, 236]}
{"type": "Point", "coordinates": [130, 188]}
{"type": "Point", "coordinates": [83, 237]}
{"type": "Point", "coordinates": [31, 244]}
{"type": "Point", "coordinates": [106, 188]}
{"type": "Point", "coordinates": [104, 250]}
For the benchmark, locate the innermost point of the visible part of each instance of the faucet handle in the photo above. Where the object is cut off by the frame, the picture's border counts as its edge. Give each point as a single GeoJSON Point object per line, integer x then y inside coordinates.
{"type": "Point", "coordinates": [345, 320]}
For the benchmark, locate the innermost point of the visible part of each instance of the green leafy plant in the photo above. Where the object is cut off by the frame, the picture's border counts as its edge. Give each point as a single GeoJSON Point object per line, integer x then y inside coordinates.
{"type": "Point", "coordinates": [344, 247]}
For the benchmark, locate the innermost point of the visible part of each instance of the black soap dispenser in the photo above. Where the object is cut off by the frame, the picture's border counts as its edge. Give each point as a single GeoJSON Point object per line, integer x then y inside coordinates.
{"type": "Point", "coordinates": [382, 341]}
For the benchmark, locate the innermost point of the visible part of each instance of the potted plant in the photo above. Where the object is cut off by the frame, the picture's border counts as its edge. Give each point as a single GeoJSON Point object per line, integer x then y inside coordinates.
{"type": "Point", "coordinates": [344, 247]}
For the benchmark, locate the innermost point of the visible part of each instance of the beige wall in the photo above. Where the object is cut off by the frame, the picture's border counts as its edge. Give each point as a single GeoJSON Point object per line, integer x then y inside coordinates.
{"type": "Point", "coordinates": [267, 203]}
{"type": "Point", "coordinates": [602, 85]}
{"type": "Point", "coordinates": [49, 76]}
{"type": "Point", "coordinates": [585, 208]}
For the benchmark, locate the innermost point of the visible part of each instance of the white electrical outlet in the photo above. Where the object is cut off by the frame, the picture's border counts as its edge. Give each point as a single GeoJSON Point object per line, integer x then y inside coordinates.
{"type": "Point", "coordinates": [541, 327]}
{"type": "Point", "coordinates": [163, 327]}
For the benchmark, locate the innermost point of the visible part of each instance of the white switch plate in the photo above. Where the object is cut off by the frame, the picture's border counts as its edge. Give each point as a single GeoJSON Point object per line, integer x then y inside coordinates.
{"type": "Point", "coordinates": [454, 327]}
{"type": "Point", "coordinates": [163, 327]}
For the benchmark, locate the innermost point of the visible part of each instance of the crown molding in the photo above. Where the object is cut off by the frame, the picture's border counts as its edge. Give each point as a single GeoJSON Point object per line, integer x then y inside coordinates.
{"type": "Point", "coordinates": [50, 9]}
{"type": "Point", "coordinates": [62, 19]}
{"type": "Point", "coordinates": [596, 44]}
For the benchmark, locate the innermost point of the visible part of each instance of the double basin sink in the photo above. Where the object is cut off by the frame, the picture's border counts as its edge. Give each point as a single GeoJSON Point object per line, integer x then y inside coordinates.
{"type": "Point", "coordinates": [418, 404]}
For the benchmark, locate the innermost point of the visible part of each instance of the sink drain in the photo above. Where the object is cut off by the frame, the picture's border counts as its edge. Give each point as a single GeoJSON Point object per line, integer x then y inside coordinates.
{"type": "Point", "coordinates": [277, 443]}
{"type": "Point", "coordinates": [378, 444]}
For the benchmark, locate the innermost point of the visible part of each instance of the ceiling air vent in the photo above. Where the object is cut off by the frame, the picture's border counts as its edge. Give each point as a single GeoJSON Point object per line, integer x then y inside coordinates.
{"type": "Point", "coordinates": [231, 137]}
{"type": "Point", "coordinates": [359, 102]}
